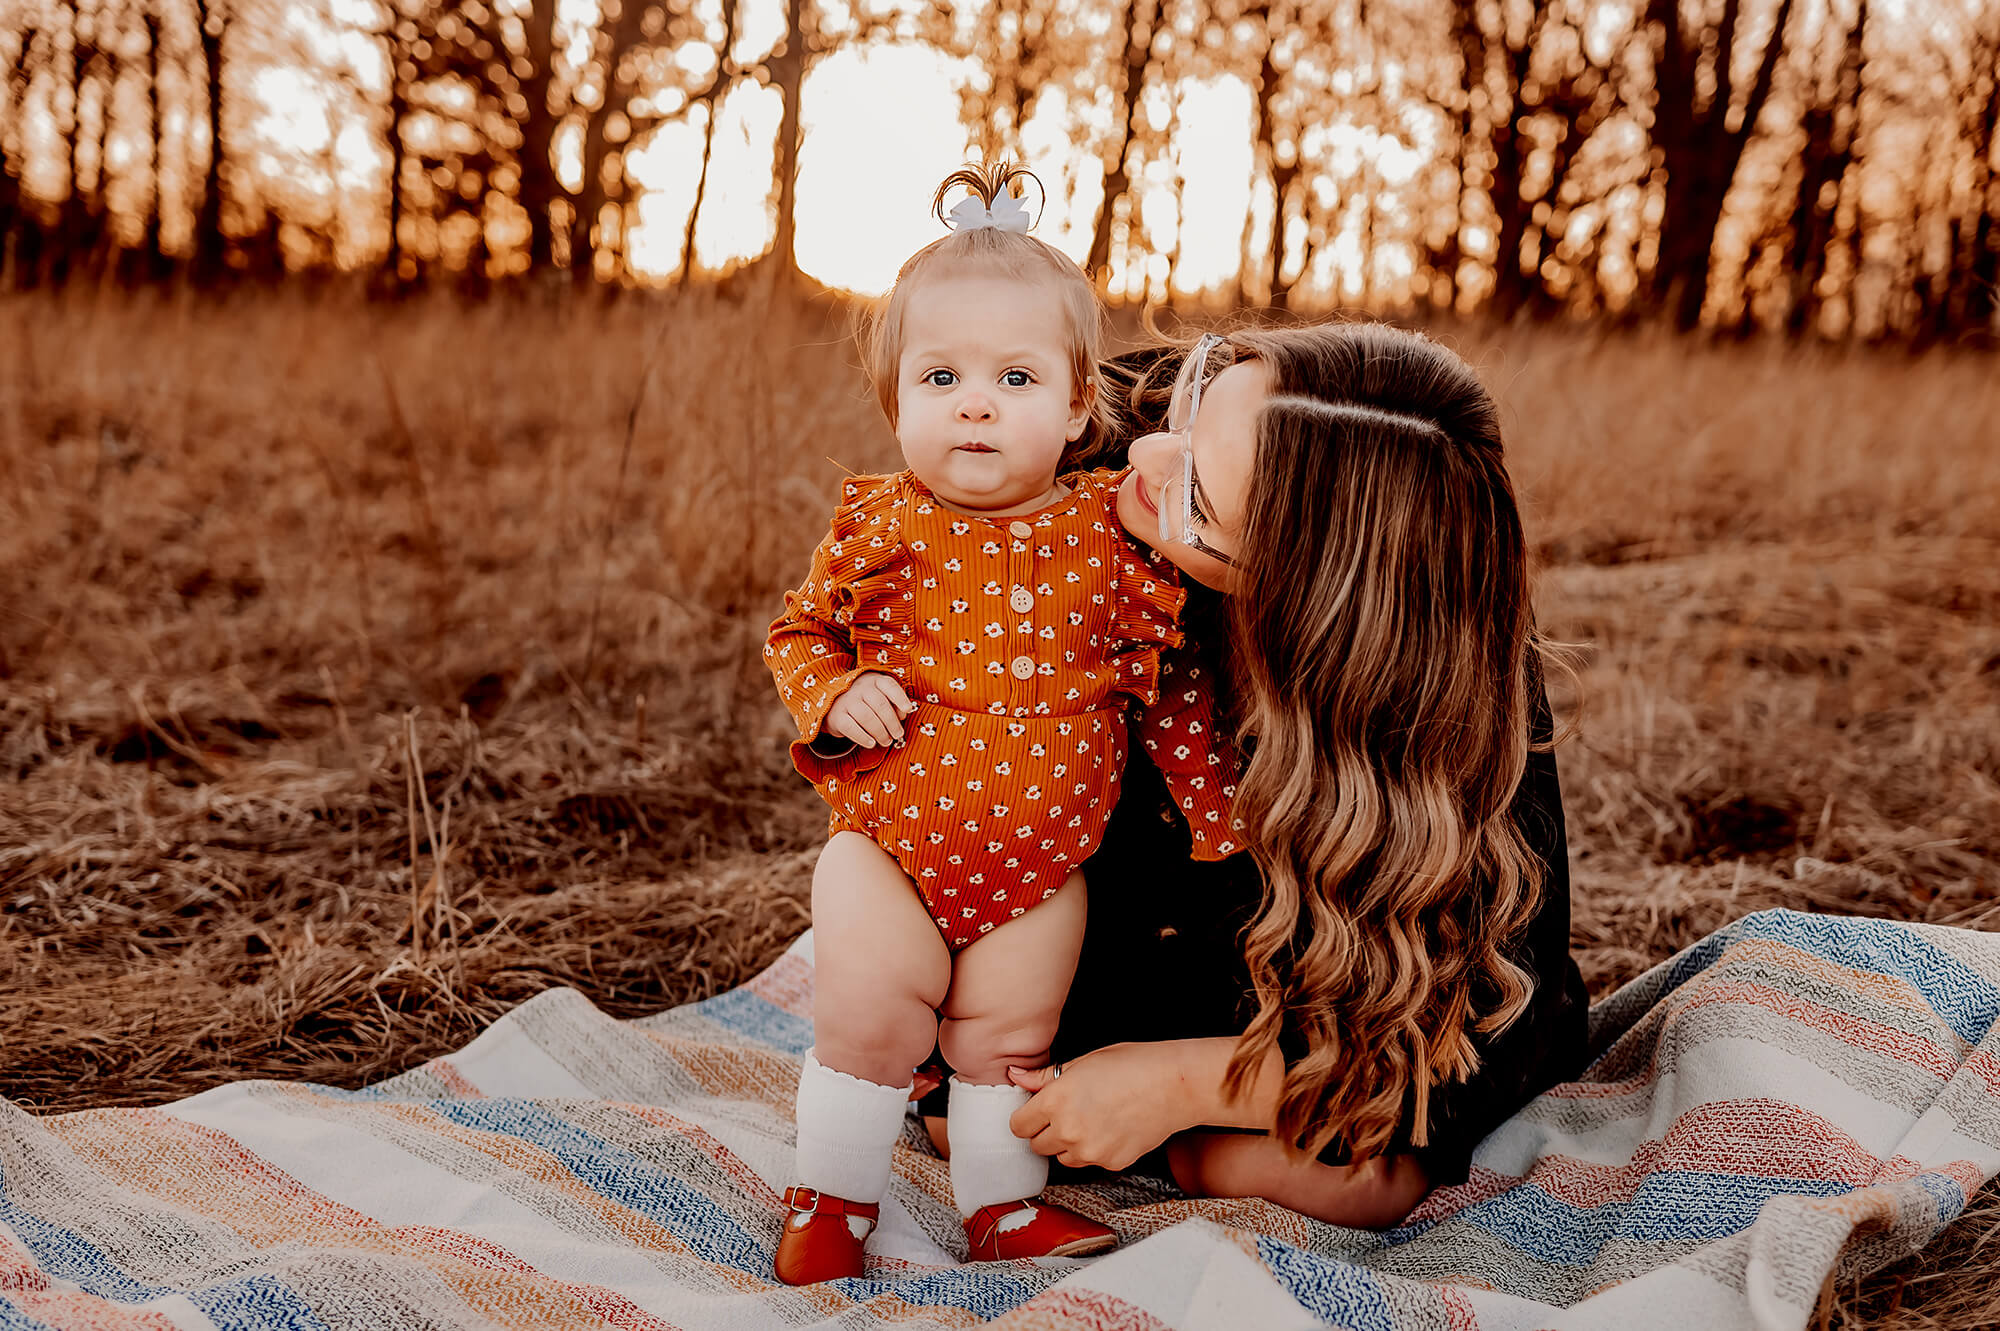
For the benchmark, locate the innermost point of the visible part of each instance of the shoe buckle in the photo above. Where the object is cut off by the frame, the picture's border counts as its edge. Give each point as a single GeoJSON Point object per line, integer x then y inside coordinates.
{"type": "Point", "coordinates": [799, 1196]}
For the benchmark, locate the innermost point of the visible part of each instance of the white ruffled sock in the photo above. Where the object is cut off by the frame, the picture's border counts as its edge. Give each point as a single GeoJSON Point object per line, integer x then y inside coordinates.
{"type": "Point", "coordinates": [989, 1164]}
{"type": "Point", "coordinates": [847, 1132]}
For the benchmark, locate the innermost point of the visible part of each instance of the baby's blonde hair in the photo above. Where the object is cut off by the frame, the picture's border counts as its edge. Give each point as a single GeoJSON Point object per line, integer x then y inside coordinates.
{"type": "Point", "coordinates": [1009, 254]}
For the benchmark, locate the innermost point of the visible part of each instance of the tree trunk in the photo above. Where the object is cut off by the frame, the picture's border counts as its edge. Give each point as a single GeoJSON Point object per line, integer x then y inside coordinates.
{"type": "Point", "coordinates": [594, 195]}
{"type": "Point", "coordinates": [717, 90]}
{"type": "Point", "coordinates": [1831, 125]}
{"type": "Point", "coordinates": [788, 71]}
{"type": "Point", "coordinates": [399, 107]}
{"type": "Point", "coordinates": [1132, 88]}
{"type": "Point", "coordinates": [1263, 146]}
{"type": "Point", "coordinates": [539, 188]}
{"type": "Point", "coordinates": [1701, 152]}
{"type": "Point", "coordinates": [149, 247]}
{"type": "Point", "coordinates": [13, 217]}
{"type": "Point", "coordinates": [210, 245]}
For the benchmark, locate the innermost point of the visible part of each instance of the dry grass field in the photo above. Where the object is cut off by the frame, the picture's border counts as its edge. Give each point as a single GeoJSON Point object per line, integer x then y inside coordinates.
{"type": "Point", "coordinates": [365, 670]}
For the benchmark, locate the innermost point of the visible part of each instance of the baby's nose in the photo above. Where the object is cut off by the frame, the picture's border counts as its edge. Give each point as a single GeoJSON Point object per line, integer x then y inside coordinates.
{"type": "Point", "coordinates": [975, 407]}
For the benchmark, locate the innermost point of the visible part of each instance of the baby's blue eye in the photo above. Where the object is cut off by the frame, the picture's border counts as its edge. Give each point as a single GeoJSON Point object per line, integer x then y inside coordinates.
{"type": "Point", "coordinates": [1017, 378]}
{"type": "Point", "coordinates": [930, 377]}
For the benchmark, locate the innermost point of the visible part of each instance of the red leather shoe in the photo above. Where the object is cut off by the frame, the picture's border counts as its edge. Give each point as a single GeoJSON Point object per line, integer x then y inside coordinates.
{"type": "Point", "coordinates": [1033, 1228]}
{"type": "Point", "coordinates": [823, 1237]}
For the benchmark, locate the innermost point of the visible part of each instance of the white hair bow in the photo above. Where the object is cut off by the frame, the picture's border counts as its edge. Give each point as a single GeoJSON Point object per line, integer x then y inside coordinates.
{"type": "Point", "coordinates": [1007, 213]}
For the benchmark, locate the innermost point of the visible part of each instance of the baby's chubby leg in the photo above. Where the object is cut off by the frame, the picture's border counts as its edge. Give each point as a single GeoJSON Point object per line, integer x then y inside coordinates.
{"type": "Point", "coordinates": [1006, 995]}
{"type": "Point", "coordinates": [880, 969]}
{"type": "Point", "coordinates": [1007, 990]}
{"type": "Point", "coordinates": [880, 972]}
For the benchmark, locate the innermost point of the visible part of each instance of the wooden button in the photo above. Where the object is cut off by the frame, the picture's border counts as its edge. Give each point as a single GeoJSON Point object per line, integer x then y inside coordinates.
{"type": "Point", "coordinates": [1022, 600]}
{"type": "Point", "coordinates": [1021, 530]}
{"type": "Point", "coordinates": [1023, 668]}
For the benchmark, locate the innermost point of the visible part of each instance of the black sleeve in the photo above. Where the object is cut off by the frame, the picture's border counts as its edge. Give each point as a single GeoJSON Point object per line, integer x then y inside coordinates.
{"type": "Point", "coordinates": [1546, 1044]}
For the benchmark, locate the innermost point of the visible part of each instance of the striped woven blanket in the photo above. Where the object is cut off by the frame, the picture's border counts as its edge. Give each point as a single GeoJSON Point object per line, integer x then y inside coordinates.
{"type": "Point", "coordinates": [1794, 1095]}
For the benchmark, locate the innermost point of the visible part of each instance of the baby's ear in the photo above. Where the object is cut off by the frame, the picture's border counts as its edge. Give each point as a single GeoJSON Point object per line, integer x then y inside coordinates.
{"type": "Point", "coordinates": [1080, 405]}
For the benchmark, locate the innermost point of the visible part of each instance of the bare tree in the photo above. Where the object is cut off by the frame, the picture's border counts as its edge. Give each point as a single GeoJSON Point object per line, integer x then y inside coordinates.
{"type": "Point", "coordinates": [1700, 128]}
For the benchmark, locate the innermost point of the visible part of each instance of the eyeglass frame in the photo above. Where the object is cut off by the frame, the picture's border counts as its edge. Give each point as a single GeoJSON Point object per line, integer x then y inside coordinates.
{"type": "Point", "coordinates": [1197, 380]}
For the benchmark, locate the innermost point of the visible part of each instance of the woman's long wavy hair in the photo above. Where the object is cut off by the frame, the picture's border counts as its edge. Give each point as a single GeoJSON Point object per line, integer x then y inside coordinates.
{"type": "Point", "coordinates": [1384, 650]}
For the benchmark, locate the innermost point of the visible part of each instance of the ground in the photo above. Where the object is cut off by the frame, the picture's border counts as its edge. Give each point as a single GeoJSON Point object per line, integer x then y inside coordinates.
{"type": "Point", "coordinates": [367, 669]}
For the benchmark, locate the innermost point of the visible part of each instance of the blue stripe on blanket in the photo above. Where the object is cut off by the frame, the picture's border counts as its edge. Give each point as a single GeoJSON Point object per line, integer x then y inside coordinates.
{"type": "Point", "coordinates": [1334, 1291]}
{"type": "Point", "coordinates": [260, 1300]}
{"type": "Point", "coordinates": [1967, 1001]}
{"type": "Point", "coordinates": [1669, 1206]}
{"type": "Point", "coordinates": [745, 1013]}
{"type": "Point", "coordinates": [985, 1290]}
{"type": "Point", "coordinates": [693, 1217]}
{"type": "Point", "coordinates": [619, 1175]}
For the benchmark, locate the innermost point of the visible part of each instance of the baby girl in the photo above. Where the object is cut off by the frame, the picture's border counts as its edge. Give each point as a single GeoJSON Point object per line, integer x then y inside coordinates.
{"type": "Point", "coordinates": [962, 661]}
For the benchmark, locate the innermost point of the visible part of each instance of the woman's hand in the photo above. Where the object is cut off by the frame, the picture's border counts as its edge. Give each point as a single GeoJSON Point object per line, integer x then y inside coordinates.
{"type": "Point", "coordinates": [1109, 1107]}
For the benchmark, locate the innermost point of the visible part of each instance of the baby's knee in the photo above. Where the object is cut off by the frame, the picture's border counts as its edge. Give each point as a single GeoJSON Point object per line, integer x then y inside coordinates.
{"type": "Point", "coordinates": [982, 1048]}
{"type": "Point", "coordinates": [887, 1036]}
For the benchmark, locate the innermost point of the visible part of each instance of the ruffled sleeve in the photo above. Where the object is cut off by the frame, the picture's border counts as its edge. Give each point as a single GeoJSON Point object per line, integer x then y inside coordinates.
{"type": "Point", "coordinates": [1146, 611]}
{"type": "Point", "coordinates": [850, 616]}
{"type": "Point", "coordinates": [1183, 733]}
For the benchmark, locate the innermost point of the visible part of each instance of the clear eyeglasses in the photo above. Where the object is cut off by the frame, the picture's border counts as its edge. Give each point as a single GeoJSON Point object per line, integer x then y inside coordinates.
{"type": "Point", "coordinates": [1181, 518]}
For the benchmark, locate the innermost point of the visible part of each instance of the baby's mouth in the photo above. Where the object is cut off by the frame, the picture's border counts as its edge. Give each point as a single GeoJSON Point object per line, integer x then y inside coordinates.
{"type": "Point", "coordinates": [976, 447]}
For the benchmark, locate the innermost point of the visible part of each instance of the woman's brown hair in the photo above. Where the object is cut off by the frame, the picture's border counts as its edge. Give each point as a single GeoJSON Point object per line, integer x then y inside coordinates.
{"type": "Point", "coordinates": [1384, 651]}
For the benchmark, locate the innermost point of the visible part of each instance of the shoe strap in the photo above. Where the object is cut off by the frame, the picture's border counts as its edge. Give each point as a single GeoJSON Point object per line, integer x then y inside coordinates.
{"type": "Point", "coordinates": [809, 1202]}
{"type": "Point", "coordinates": [983, 1225]}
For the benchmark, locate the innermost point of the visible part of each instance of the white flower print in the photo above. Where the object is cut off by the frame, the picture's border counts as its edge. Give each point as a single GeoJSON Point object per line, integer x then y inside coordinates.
{"type": "Point", "coordinates": [959, 607]}
{"type": "Point", "coordinates": [967, 648]}
{"type": "Point", "coordinates": [1033, 792]}
{"type": "Point", "coordinates": [991, 588]}
{"type": "Point", "coordinates": [1003, 769]}
{"type": "Point", "coordinates": [975, 784]}
{"type": "Point", "coordinates": [946, 803]}
{"type": "Point", "coordinates": [934, 624]}
{"type": "Point", "coordinates": [960, 528]}
{"type": "Point", "coordinates": [995, 631]}
{"type": "Point", "coordinates": [948, 760]}
{"type": "Point", "coordinates": [995, 668]}
{"type": "Point", "coordinates": [990, 548]}
{"type": "Point", "coordinates": [952, 565]}
{"type": "Point", "coordinates": [930, 583]}
{"type": "Point", "coordinates": [959, 684]}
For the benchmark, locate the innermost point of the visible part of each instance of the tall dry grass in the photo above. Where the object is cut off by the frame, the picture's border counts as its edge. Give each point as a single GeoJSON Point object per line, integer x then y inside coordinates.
{"type": "Point", "coordinates": [367, 669]}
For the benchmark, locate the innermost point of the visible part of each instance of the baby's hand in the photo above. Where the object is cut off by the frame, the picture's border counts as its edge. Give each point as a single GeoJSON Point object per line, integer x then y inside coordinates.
{"type": "Point", "coordinates": [870, 712]}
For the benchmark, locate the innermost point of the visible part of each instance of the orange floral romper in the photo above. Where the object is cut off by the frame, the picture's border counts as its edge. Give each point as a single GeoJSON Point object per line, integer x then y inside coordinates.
{"type": "Point", "coordinates": [1024, 642]}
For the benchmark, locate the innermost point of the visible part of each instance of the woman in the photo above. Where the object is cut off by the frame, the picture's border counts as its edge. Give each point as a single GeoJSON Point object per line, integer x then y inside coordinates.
{"type": "Point", "coordinates": [1334, 1020]}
